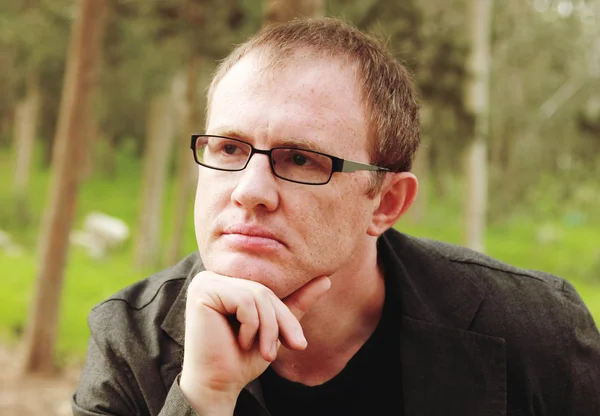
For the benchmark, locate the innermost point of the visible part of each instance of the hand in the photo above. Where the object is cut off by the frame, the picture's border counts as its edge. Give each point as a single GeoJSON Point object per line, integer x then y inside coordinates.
{"type": "Point", "coordinates": [233, 330]}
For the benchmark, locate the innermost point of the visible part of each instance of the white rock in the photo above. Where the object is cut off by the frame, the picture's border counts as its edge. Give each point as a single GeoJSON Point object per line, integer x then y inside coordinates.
{"type": "Point", "coordinates": [112, 230]}
{"type": "Point", "coordinates": [100, 233]}
{"type": "Point", "coordinates": [8, 247]}
{"type": "Point", "coordinates": [5, 239]}
{"type": "Point", "coordinates": [548, 234]}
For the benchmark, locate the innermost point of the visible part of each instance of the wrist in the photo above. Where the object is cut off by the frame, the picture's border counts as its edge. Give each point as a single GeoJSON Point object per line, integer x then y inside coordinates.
{"type": "Point", "coordinates": [207, 400]}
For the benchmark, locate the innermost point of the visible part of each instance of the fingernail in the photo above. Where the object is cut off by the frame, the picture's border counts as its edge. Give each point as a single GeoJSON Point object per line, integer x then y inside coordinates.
{"type": "Point", "coordinates": [300, 337]}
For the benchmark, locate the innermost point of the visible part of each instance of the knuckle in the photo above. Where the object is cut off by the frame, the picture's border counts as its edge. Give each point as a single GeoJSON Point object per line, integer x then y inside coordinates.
{"type": "Point", "coordinates": [264, 294]}
{"type": "Point", "coordinates": [246, 309]}
{"type": "Point", "coordinates": [246, 300]}
{"type": "Point", "coordinates": [201, 282]}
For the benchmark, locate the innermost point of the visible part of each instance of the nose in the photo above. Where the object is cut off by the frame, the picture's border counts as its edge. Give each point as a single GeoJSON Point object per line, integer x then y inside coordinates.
{"type": "Point", "coordinates": [257, 186]}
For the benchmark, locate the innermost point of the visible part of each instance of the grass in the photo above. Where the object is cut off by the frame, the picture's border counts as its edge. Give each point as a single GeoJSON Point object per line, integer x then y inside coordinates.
{"type": "Point", "coordinates": [570, 249]}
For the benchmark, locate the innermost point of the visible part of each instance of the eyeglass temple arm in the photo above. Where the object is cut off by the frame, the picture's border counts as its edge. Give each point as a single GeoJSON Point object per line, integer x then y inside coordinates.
{"type": "Point", "coordinates": [341, 165]}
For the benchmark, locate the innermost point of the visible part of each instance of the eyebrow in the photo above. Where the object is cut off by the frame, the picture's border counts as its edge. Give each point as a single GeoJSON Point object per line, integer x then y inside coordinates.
{"type": "Point", "coordinates": [295, 142]}
{"type": "Point", "coordinates": [301, 143]}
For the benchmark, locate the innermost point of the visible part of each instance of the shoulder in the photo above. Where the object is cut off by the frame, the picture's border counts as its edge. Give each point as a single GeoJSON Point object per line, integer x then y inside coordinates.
{"type": "Point", "coordinates": [134, 352]}
{"type": "Point", "coordinates": [513, 287]}
{"type": "Point", "coordinates": [540, 317]}
{"type": "Point", "coordinates": [488, 273]}
{"type": "Point", "coordinates": [146, 302]}
{"type": "Point", "coordinates": [516, 302]}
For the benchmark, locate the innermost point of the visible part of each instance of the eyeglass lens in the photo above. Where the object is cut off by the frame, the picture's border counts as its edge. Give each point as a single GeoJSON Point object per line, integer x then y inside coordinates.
{"type": "Point", "coordinates": [288, 163]}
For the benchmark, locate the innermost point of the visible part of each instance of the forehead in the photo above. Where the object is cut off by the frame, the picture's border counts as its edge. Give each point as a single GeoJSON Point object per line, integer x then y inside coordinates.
{"type": "Point", "coordinates": [306, 97]}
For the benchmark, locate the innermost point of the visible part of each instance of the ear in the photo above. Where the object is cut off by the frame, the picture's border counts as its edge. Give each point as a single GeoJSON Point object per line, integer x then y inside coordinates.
{"type": "Point", "coordinates": [396, 196]}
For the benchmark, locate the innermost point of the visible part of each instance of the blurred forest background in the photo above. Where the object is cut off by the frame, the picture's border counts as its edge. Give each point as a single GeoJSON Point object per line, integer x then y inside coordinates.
{"type": "Point", "coordinates": [98, 99]}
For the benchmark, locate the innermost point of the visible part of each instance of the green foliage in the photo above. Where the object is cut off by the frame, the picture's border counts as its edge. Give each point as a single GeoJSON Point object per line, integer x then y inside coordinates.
{"type": "Point", "coordinates": [148, 43]}
{"type": "Point", "coordinates": [430, 40]}
{"type": "Point", "coordinates": [563, 245]}
{"type": "Point", "coordinates": [33, 40]}
{"type": "Point", "coordinates": [544, 165]}
{"type": "Point", "coordinates": [535, 53]}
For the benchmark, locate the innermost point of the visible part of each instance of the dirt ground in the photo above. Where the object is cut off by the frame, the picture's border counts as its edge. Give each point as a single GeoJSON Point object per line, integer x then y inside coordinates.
{"type": "Point", "coordinates": [49, 396]}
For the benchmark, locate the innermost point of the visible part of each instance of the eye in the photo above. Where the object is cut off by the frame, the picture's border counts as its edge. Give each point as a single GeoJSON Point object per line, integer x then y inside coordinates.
{"type": "Point", "coordinates": [230, 149]}
{"type": "Point", "coordinates": [293, 162]}
{"type": "Point", "coordinates": [299, 159]}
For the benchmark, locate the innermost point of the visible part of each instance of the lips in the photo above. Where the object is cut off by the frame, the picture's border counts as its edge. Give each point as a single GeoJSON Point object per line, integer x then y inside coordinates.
{"type": "Point", "coordinates": [252, 231]}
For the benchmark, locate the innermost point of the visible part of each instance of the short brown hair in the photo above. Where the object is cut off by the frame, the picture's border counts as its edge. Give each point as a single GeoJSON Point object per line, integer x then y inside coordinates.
{"type": "Point", "coordinates": [385, 85]}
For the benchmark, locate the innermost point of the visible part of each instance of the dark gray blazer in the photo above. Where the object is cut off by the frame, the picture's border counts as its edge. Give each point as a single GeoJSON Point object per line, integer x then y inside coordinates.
{"type": "Point", "coordinates": [479, 337]}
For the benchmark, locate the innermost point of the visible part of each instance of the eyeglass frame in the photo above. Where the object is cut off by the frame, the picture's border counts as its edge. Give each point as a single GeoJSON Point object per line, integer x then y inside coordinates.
{"type": "Point", "coordinates": [337, 164]}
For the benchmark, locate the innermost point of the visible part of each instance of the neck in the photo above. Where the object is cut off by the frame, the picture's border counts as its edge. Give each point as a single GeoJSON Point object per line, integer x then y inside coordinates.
{"type": "Point", "coordinates": [339, 324]}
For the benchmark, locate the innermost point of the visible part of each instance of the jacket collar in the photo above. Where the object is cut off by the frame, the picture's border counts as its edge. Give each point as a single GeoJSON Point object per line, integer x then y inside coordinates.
{"type": "Point", "coordinates": [431, 288]}
{"type": "Point", "coordinates": [446, 368]}
{"type": "Point", "coordinates": [174, 322]}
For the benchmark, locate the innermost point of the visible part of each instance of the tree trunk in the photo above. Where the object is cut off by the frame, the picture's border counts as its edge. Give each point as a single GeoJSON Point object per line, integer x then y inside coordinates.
{"type": "Point", "coordinates": [67, 157]}
{"type": "Point", "coordinates": [26, 122]}
{"type": "Point", "coordinates": [184, 185]}
{"type": "Point", "coordinates": [92, 136]}
{"type": "Point", "coordinates": [281, 11]}
{"type": "Point", "coordinates": [477, 102]}
{"type": "Point", "coordinates": [6, 123]}
{"type": "Point", "coordinates": [159, 134]}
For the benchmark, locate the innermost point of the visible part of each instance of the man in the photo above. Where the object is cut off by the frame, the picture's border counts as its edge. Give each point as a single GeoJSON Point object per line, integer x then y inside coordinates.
{"type": "Point", "coordinates": [301, 298]}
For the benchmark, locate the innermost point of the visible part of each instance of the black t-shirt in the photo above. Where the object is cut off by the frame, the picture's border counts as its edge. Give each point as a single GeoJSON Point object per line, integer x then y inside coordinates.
{"type": "Point", "coordinates": [370, 384]}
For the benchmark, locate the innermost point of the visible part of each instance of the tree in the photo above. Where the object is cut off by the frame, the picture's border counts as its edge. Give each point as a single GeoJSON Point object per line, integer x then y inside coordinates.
{"type": "Point", "coordinates": [178, 30]}
{"type": "Point", "coordinates": [536, 151]}
{"type": "Point", "coordinates": [185, 165]}
{"type": "Point", "coordinates": [32, 46]}
{"type": "Point", "coordinates": [159, 139]}
{"type": "Point", "coordinates": [477, 100]}
{"type": "Point", "coordinates": [26, 121]}
{"type": "Point", "coordinates": [184, 184]}
{"type": "Point", "coordinates": [67, 158]}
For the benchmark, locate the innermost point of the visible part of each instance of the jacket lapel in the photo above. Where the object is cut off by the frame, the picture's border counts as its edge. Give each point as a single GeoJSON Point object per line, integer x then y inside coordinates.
{"type": "Point", "coordinates": [447, 369]}
{"type": "Point", "coordinates": [450, 371]}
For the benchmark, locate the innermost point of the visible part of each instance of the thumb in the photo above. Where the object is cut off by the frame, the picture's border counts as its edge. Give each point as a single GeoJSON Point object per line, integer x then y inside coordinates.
{"type": "Point", "coordinates": [302, 299]}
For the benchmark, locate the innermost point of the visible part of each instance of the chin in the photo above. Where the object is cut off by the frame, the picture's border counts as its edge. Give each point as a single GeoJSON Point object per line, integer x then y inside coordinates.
{"type": "Point", "coordinates": [256, 269]}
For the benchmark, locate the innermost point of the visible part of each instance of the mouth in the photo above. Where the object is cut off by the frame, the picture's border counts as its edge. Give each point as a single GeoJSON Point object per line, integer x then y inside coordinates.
{"type": "Point", "coordinates": [252, 237]}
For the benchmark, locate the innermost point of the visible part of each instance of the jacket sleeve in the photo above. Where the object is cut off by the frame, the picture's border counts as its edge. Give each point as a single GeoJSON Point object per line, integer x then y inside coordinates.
{"type": "Point", "coordinates": [583, 338]}
{"type": "Point", "coordinates": [107, 387]}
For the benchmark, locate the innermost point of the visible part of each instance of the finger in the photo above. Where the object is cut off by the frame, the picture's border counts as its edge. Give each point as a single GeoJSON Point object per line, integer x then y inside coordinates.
{"type": "Point", "coordinates": [248, 317]}
{"type": "Point", "coordinates": [290, 331]}
{"type": "Point", "coordinates": [269, 328]}
{"type": "Point", "coordinates": [293, 308]}
{"type": "Point", "coordinates": [302, 299]}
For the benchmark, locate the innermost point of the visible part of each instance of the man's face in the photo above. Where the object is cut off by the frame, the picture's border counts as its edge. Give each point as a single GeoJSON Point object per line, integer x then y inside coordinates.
{"type": "Point", "coordinates": [253, 225]}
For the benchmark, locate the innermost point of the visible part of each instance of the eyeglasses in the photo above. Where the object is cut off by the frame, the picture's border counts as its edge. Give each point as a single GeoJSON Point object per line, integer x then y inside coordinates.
{"type": "Point", "coordinates": [289, 163]}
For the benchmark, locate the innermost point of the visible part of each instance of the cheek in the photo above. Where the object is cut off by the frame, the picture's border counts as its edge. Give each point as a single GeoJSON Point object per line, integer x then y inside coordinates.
{"type": "Point", "coordinates": [202, 202]}
{"type": "Point", "coordinates": [212, 191]}
{"type": "Point", "coordinates": [201, 219]}
{"type": "Point", "coordinates": [352, 208]}
{"type": "Point", "coordinates": [337, 225]}
{"type": "Point", "coordinates": [211, 198]}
